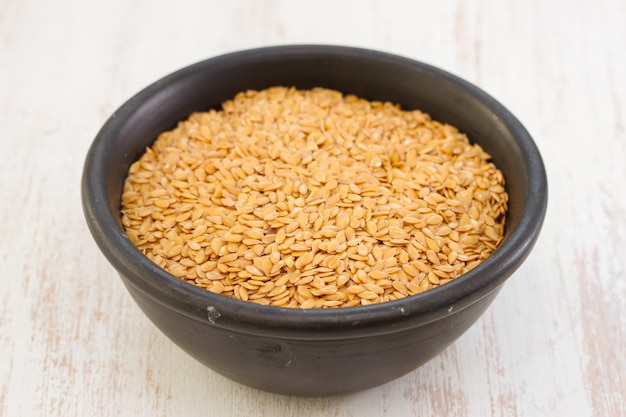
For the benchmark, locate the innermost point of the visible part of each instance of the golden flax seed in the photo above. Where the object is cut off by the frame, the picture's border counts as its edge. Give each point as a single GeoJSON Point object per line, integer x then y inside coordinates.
{"type": "Point", "coordinates": [313, 199]}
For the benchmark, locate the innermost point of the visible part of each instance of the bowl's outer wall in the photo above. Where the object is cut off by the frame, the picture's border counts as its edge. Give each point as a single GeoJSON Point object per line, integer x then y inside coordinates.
{"type": "Point", "coordinates": [315, 367]}
{"type": "Point", "coordinates": [408, 331]}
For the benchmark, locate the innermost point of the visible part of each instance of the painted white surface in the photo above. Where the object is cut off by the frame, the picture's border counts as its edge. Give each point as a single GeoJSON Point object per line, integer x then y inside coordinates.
{"type": "Point", "coordinates": [72, 342]}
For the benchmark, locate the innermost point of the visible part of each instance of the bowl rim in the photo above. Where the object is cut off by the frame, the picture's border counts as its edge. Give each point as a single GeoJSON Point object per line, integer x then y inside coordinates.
{"type": "Point", "coordinates": [229, 313]}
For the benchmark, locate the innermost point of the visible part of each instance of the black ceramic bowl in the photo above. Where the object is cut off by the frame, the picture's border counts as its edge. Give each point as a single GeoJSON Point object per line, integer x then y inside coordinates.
{"type": "Point", "coordinates": [297, 351]}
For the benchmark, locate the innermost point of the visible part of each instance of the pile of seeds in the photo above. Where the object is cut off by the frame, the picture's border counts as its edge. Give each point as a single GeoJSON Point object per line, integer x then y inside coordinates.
{"type": "Point", "coordinates": [313, 199]}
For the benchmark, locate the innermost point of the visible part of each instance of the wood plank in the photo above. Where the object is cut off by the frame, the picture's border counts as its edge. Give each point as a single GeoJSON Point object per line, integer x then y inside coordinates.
{"type": "Point", "coordinates": [72, 342]}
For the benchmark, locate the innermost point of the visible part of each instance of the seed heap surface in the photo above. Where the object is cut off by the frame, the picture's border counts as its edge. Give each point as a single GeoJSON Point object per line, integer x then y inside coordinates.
{"type": "Point", "coordinates": [313, 199]}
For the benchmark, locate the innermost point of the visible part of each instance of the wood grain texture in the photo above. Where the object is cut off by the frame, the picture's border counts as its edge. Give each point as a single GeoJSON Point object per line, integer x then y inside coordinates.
{"type": "Point", "coordinates": [72, 343]}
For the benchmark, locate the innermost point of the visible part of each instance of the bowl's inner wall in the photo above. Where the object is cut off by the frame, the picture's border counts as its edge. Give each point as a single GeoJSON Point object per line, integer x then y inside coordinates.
{"type": "Point", "coordinates": [207, 84]}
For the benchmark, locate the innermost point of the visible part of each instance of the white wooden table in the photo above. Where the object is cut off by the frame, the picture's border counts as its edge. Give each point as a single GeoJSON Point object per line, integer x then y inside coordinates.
{"type": "Point", "coordinates": [72, 342]}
